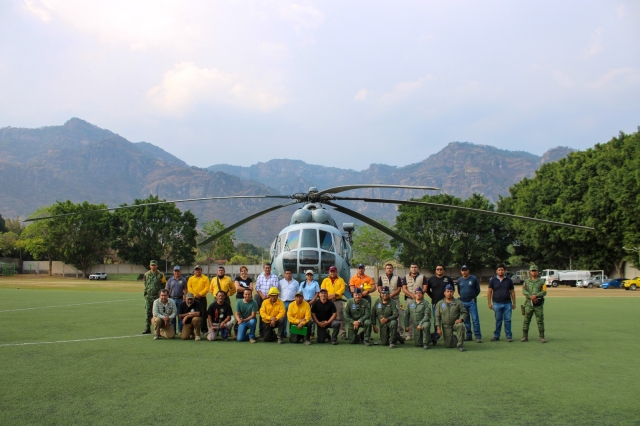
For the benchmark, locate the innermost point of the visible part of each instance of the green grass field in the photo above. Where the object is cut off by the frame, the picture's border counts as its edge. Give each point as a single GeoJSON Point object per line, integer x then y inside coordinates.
{"type": "Point", "coordinates": [586, 374]}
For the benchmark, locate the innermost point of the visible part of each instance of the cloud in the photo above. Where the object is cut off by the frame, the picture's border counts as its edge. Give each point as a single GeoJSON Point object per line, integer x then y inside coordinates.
{"type": "Point", "coordinates": [405, 89]}
{"type": "Point", "coordinates": [361, 95]}
{"type": "Point", "coordinates": [186, 86]}
{"type": "Point", "coordinates": [35, 8]}
{"type": "Point", "coordinates": [622, 10]}
{"type": "Point", "coordinates": [304, 16]}
{"type": "Point", "coordinates": [596, 44]}
{"type": "Point", "coordinates": [562, 79]}
{"type": "Point", "coordinates": [617, 77]}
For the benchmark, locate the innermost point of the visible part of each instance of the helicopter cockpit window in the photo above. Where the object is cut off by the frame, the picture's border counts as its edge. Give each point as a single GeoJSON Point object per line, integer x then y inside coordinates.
{"type": "Point", "coordinates": [328, 260]}
{"type": "Point", "coordinates": [337, 239]}
{"type": "Point", "coordinates": [309, 257]}
{"type": "Point", "coordinates": [293, 241]}
{"type": "Point", "coordinates": [279, 243]}
{"type": "Point", "coordinates": [326, 241]}
{"type": "Point", "coordinates": [309, 238]}
{"type": "Point", "coordinates": [290, 261]}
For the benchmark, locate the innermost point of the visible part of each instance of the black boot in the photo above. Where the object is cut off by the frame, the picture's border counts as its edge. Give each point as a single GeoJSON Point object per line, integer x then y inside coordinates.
{"type": "Point", "coordinates": [147, 330]}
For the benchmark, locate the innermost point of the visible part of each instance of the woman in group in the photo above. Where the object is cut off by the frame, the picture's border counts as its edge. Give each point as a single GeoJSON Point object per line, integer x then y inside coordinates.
{"type": "Point", "coordinates": [310, 290]}
{"type": "Point", "coordinates": [242, 282]}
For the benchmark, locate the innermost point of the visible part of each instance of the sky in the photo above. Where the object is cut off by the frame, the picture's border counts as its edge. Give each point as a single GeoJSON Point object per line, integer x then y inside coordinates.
{"type": "Point", "coordinates": [340, 83]}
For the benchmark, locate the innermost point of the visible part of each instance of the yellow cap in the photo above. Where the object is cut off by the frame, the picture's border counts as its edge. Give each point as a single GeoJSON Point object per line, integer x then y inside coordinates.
{"type": "Point", "coordinates": [273, 291]}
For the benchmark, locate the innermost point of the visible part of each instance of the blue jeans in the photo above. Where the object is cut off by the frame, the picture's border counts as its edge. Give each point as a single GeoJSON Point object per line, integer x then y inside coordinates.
{"type": "Point", "coordinates": [176, 319]}
{"type": "Point", "coordinates": [286, 323]}
{"type": "Point", "coordinates": [472, 308]}
{"type": "Point", "coordinates": [242, 330]}
{"type": "Point", "coordinates": [503, 313]}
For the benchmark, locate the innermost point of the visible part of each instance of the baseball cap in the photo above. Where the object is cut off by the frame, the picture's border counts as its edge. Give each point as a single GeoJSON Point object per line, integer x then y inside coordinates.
{"type": "Point", "coordinates": [299, 293]}
{"type": "Point", "coordinates": [533, 268]}
{"type": "Point", "coordinates": [464, 268]}
{"type": "Point", "coordinates": [418, 290]}
{"type": "Point", "coordinates": [449, 287]}
{"type": "Point", "coordinates": [385, 289]}
{"type": "Point", "coordinates": [360, 265]}
{"type": "Point", "coordinates": [332, 268]}
{"type": "Point", "coordinates": [273, 291]}
{"type": "Point", "coordinates": [197, 267]}
{"type": "Point", "coordinates": [309, 271]}
{"type": "Point", "coordinates": [357, 290]}
{"type": "Point", "coordinates": [153, 262]}
{"type": "Point", "coordinates": [176, 268]}
{"type": "Point", "coordinates": [190, 296]}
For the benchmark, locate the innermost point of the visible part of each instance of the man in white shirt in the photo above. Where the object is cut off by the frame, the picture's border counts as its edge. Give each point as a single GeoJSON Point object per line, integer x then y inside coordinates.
{"type": "Point", "coordinates": [288, 289]}
{"type": "Point", "coordinates": [164, 311]}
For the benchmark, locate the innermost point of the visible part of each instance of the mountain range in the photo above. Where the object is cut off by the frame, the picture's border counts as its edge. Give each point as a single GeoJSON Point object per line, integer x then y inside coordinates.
{"type": "Point", "coordinates": [80, 161]}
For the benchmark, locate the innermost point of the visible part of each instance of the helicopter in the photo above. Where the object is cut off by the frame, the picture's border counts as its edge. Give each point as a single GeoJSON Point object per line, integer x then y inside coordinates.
{"type": "Point", "coordinates": [312, 240]}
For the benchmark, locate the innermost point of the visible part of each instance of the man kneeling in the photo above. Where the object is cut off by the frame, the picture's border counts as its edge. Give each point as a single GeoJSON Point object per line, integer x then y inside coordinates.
{"type": "Point", "coordinates": [219, 317]}
{"type": "Point", "coordinates": [299, 315]}
{"type": "Point", "coordinates": [164, 312]}
{"type": "Point", "coordinates": [190, 316]}
{"type": "Point", "coordinates": [272, 317]}
{"type": "Point", "coordinates": [419, 312]}
{"type": "Point", "coordinates": [324, 314]}
{"type": "Point", "coordinates": [385, 314]}
{"type": "Point", "coordinates": [357, 314]}
{"type": "Point", "coordinates": [450, 316]}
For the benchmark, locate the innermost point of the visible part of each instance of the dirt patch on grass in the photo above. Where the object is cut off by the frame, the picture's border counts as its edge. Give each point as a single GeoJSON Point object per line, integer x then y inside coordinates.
{"type": "Point", "coordinates": [44, 282]}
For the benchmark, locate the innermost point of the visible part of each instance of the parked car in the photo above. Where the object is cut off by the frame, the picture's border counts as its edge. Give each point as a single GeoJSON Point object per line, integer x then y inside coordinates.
{"type": "Point", "coordinates": [614, 283]}
{"type": "Point", "coordinates": [98, 276]}
{"type": "Point", "coordinates": [516, 279]}
{"type": "Point", "coordinates": [591, 282]}
{"type": "Point", "coordinates": [631, 284]}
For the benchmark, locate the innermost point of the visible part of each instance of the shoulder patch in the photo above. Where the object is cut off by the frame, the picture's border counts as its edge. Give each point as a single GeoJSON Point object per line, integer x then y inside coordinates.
{"type": "Point", "coordinates": [413, 305]}
{"type": "Point", "coordinates": [444, 305]}
{"type": "Point", "coordinates": [379, 305]}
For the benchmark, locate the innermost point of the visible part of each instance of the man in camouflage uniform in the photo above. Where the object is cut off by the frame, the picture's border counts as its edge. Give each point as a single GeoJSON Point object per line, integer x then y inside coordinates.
{"type": "Point", "coordinates": [535, 290]}
{"type": "Point", "coordinates": [450, 316]}
{"type": "Point", "coordinates": [154, 281]}
{"type": "Point", "coordinates": [357, 314]}
{"type": "Point", "coordinates": [385, 313]}
{"type": "Point", "coordinates": [419, 313]}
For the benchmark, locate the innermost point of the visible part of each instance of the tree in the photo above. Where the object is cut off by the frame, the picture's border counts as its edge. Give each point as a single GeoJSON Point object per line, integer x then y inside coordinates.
{"type": "Point", "coordinates": [371, 246]}
{"type": "Point", "coordinates": [599, 187]}
{"type": "Point", "coordinates": [37, 241]}
{"type": "Point", "coordinates": [142, 234]}
{"type": "Point", "coordinates": [452, 237]}
{"type": "Point", "coordinates": [3, 228]}
{"type": "Point", "coordinates": [8, 244]}
{"type": "Point", "coordinates": [220, 249]}
{"type": "Point", "coordinates": [83, 237]}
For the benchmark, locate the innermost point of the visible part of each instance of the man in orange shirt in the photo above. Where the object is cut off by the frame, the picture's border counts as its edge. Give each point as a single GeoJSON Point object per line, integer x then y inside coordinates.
{"type": "Point", "coordinates": [362, 281]}
{"type": "Point", "coordinates": [335, 287]}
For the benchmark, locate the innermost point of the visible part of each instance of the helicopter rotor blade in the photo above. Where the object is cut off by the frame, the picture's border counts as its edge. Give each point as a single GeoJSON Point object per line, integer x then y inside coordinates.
{"type": "Point", "coordinates": [243, 221]}
{"type": "Point", "coordinates": [338, 189]}
{"type": "Point", "coordinates": [373, 223]}
{"type": "Point", "coordinates": [132, 206]}
{"type": "Point", "coordinates": [467, 209]}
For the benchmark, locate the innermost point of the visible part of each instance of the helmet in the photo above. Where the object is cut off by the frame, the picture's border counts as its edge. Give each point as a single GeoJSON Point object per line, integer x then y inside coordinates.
{"type": "Point", "coordinates": [273, 291]}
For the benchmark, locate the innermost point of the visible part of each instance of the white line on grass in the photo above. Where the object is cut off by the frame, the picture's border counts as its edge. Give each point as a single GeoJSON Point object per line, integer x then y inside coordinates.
{"type": "Point", "coordinates": [64, 306]}
{"type": "Point", "coordinates": [70, 341]}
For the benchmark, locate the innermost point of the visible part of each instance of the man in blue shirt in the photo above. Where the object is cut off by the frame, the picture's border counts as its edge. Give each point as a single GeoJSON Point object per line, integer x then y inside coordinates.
{"type": "Point", "coordinates": [468, 290]}
{"type": "Point", "coordinates": [177, 286]}
{"type": "Point", "coordinates": [310, 290]}
{"type": "Point", "coordinates": [502, 300]}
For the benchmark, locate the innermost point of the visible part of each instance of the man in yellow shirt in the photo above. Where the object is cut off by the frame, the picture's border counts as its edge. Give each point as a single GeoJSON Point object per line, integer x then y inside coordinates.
{"type": "Point", "coordinates": [335, 287]}
{"type": "Point", "coordinates": [299, 315]}
{"type": "Point", "coordinates": [362, 281]}
{"type": "Point", "coordinates": [221, 282]}
{"type": "Point", "coordinates": [199, 286]}
{"type": "Point", "coordinates": [272, 316]}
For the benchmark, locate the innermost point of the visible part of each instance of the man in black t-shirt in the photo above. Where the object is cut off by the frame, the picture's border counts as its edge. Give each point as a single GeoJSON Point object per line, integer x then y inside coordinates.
{"type": "Point", "coordinates": [435, 289]}
{"type": "Point", "coordinates": [324, 313]}
{"type": "Point", "coordinates": [502, 300]}
{"type": "Point", "coordinates": [189, 314]}
{"type": "Point", "coordinates": [219, 317]}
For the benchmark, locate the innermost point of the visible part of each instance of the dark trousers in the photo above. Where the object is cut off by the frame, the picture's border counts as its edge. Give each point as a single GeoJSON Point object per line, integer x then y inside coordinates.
{"type": "Point", "coordinates": [297, 338]}
{"type": "Point", "coordinates": [258, 300]}
{"type": "Point", "coordinates": [269, 334]}
{"type": "Point", "coordinates": [203, 313]}
{"type": "Point", "coordinates": [323, 332]}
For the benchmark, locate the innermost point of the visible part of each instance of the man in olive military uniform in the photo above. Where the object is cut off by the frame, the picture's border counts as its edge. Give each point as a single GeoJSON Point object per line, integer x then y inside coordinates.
{"type": "Point", "coordinates": [357, 314]}
{"type": "Point", "coordinates": [419, 313]}
{"type": "Point", "coordinates": [154, 281]}
{"type": "Point", "coordinates": [450, 316]}
{"type": "Point", "coordinates": [385, 314]}
{"type": "Point", "coordinates": [534, 290]}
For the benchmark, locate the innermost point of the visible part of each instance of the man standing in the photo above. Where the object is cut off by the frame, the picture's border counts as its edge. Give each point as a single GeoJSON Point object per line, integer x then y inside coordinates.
{"type": "Point", "coordinates": [154, 281]}
{"type": "Point", "coordinates": [246, 311]}
{"type": "Point", "coordinates": [362, 281]}
{"type": "Point", "coordinates": [288, 289]}
{"type": "Point", "coordinates": [414, 279]}
{"type": "Point", "coordinates": [189, 314]}
{"type": "Point", "coordinates": [272, 313]}
{"type": "Point", "coordinates": [419, 313]}
{"type": "Point", "coordinates": [469, 290]}
{"type": "Point", "coordinates": [324, 315]}
{"type": "Point", "coordinates": [435, 289]}
{"type": "Point", "coordinates": [219, 317]}
{"type": "Point", "coordinates": [222, 282]}
{"type": "Point", "coordinates": [310, 289]}
{"type": "Point", "coordinates": [177, 286]}
{"type": "Point", "coordinates": [265, 282]}
{"type": "Point", "coordinates": [299, 315]}
{"type": "Point", "coordinates": [535, 290]}
{"type": "Point", "coordinates": [502, 300]}
{"type": "Point", "coordinates": [394, 284]}
{"type": "Point", "coordinates": [164, 314]}
{"type": "Point", "coordinates": [199, 286]}
{"type": "Point", "coordinates": [450, 315]}
{"type": "Point", "coordinates": [385, 314]}
{"type": "Point", "coordinates": [357, 317]}
{"type": "Point", "coordinates": [335, 287]}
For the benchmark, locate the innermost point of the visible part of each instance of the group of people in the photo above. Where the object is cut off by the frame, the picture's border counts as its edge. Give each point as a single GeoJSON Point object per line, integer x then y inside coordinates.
{"type": "Point", "coordinates": [280, 308]}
